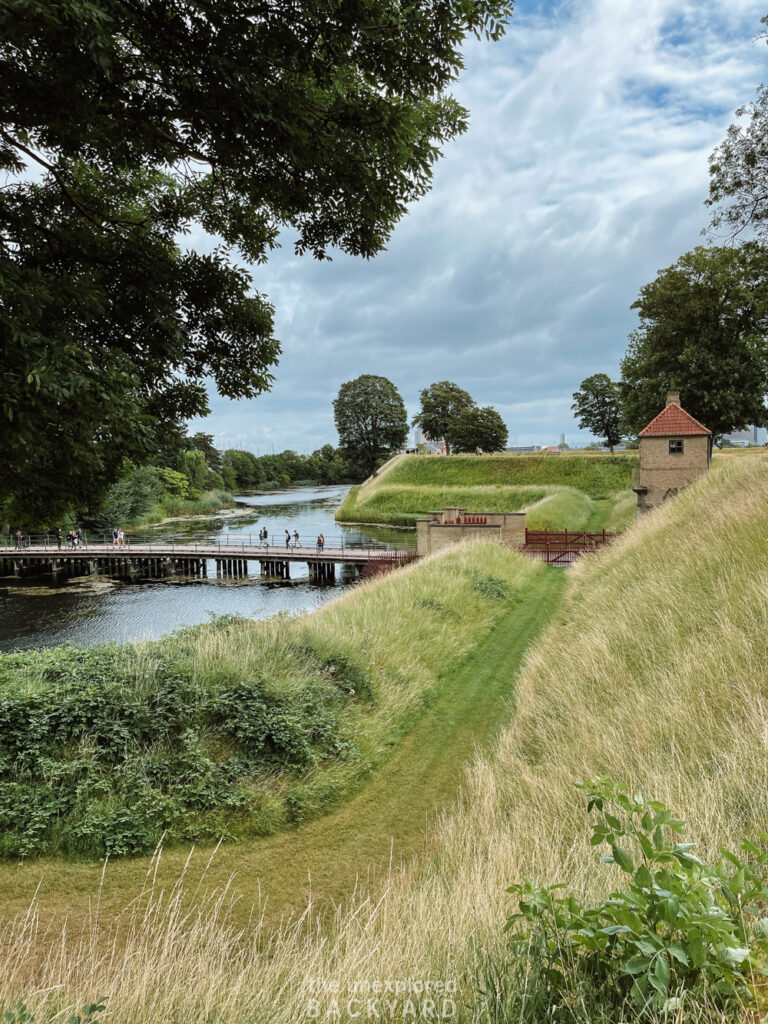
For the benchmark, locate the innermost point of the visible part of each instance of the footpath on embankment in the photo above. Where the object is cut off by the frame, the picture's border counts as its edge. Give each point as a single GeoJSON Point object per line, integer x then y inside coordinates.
{"type": "Point", "coordinates": [325, 861]}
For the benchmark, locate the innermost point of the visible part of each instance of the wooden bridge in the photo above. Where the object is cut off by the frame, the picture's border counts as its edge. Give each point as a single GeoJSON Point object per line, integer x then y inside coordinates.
{"type": "Point", "coordinates": [158, 560]}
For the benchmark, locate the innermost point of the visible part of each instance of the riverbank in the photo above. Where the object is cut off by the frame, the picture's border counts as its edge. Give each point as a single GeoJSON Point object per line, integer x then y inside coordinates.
{"type": "Point", "coordinates": [235, 729]}
{"type": "Point", "coordinates": [172, 507]}
{"type": "Point", "coordinates": [557, 492]}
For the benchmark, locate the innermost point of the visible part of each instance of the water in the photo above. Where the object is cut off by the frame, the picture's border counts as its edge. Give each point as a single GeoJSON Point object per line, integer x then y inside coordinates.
{"type": "Point", "coordinates": [96, 609]}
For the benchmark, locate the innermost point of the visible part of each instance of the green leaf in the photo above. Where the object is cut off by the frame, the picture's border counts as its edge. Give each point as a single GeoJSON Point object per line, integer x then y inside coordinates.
{"type": "Point", "coordinates": [623, 859]}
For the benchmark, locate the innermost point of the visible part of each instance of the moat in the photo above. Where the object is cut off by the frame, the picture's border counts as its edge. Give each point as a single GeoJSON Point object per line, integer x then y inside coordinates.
{"type": "Point", "coordinates": [98, 609]}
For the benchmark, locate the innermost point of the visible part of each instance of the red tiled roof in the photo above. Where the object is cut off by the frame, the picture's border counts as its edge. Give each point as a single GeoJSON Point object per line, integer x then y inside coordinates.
{"type": "Point", "coordinates": [671, 421]}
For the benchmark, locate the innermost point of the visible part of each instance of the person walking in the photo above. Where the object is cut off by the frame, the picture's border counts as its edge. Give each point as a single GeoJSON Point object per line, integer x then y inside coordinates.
{"type": "Point", "coordinates": [295, 538]}
{"type": "Point", "coordinates": [79, 536]}
{"type": "Point", "coordinates": [59, 537]}
{"type": "Point", "coordinates": [120, 538]}
{"type": "Point", "coordinates": [287, 538]}
{"type": "Point", "coordinates": [19, 540]}
{"type": "Point", "coordinates": [320, 542]}
{"type": "Point", "coordinates": [114, 536]}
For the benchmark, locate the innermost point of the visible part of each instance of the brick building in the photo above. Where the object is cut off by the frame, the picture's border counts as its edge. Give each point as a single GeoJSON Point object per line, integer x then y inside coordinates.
{"type": "Point", "coordinates": [675, 450]}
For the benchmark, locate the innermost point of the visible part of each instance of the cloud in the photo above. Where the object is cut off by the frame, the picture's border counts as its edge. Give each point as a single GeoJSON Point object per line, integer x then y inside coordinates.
{"type": "Point", "coordinates": [583, 172]}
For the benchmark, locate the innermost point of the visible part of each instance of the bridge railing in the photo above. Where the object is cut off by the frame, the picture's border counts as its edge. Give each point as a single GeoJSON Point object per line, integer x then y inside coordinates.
{"type": "Point", "coordinates": [230, 544]}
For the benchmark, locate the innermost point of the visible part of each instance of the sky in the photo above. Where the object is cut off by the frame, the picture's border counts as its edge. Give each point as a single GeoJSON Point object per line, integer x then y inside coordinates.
{"type": "Point", "coordinates": [583, 172]}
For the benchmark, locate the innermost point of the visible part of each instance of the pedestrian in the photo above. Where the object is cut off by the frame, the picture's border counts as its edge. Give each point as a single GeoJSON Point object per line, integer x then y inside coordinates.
{"type": "Point", "coordinates": [71, 538]}
{"type": "Point", "coordinates": [287, 538]}
{"type": "Point", "coordinates": [59, 537]}
{"type": "Point", "coordinates": [79, 536]}
{"type": "Point", "coordinates": [19, 540]}
{"type": "Point", "coordinates": [114, 536]}
{"type": "Point", "coordinates": [120, 538]}
{"type": "Point", "coordinates": [320, 542]}
{"type": "Point", "coordinates": [295, 538]}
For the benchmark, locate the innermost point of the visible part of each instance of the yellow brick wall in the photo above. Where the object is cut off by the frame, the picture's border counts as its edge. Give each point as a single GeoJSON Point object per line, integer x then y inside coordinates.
{"type": "Point", "coordinates": [661, 472]}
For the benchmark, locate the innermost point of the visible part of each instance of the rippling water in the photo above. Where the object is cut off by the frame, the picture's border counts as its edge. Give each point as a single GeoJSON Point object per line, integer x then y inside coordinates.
{"type": "Point", "coordinates": [96, 609]}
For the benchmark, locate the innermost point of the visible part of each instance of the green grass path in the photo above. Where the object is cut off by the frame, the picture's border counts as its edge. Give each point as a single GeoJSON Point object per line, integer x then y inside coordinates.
{"type": "Point", "coordinates": [598, 517]}
{"type": "Point", "coordinates": [386, 821]}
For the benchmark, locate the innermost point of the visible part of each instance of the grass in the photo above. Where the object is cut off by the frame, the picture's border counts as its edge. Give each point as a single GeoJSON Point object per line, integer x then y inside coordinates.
{"type": "Point", "coordinates": [653, 670]}
{"type": "Point", "coordinates": [382, 826]}
{"type": "Point", "coordinates": [210, 501]}
{"type": "Point", "coordinates": [237, 728]}
{"type": "Point", "coordinates": [562, 492]}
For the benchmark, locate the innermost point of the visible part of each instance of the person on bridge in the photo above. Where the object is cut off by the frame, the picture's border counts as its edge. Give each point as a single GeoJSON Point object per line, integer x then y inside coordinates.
{"type": "Point", "coordinates": [295, 538]}
{"type": "Point", "coordinates": [114, 537]}
{"type": "Point", "coordinates": [287, 538]}
{"type": "Point", "coordinates": [79, 536]}
{"type": "Point", "coordinates": [19, 540]}
{"type": "Point", "coordinates": [120, 538]}
{"type": "Point", "coordinates": [59, 537]}
{"type": "Point", "coordinates": [320, 542]}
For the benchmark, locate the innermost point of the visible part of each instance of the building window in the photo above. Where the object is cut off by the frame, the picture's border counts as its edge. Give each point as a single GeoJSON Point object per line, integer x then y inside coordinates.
{"type": "Point", "coordinates": [675, 447]}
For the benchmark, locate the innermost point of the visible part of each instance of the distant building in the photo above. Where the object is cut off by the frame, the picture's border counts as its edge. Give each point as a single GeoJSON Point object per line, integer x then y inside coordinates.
{"type": "Point", "coordinates": [675, 450]}
{"type": "Point", "coordinates": [752, 435]}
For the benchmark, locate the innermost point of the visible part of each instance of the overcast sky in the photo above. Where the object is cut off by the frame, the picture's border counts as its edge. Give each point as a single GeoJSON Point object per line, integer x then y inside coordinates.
{"type": "Point", "coordinates": [583, 173]}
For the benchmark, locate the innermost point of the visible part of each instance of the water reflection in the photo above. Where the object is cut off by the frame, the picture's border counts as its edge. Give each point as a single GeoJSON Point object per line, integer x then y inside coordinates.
{"type": "Point", "coordinates": [95, 609]}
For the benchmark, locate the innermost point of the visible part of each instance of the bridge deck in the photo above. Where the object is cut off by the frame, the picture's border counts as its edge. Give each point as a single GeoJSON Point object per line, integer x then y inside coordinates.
{"type": "Point", "coordinates": [254, 552]}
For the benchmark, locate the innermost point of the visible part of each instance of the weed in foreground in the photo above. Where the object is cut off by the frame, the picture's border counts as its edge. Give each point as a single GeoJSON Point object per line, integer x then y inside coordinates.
{"type": "Point", "coordinates": [681, 936]}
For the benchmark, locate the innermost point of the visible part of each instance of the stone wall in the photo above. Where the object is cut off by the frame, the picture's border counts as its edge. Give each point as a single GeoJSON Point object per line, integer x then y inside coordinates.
{"type": "Point", "coordinates": [442, 530]}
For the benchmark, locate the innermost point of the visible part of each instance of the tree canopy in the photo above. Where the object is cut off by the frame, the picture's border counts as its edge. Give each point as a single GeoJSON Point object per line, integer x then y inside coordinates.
{"type": "Point", "coordinates": [738, 170]}
{"type": "Point", "coordinates": [371, 420]}
{"type": "Point", "coordinates": [704, 332]}
{"type": "Point", "coordinates": [124, 127]}
{"type": "Point", "coordinates": [441, 406]}
{"type": "Point", "coordinates": [477, 427]}
{"type": "Point", "coordinates": [597, 406]}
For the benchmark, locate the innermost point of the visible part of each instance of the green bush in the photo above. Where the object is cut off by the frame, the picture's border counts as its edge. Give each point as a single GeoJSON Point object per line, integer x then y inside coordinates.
{"type": "Point", "coordinates": [97, 760]}
{"type": "Point", "coordinates": [680, 935]}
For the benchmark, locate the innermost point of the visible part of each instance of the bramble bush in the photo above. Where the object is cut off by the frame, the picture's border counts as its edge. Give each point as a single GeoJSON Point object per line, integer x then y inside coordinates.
{"type": "Point", "coordinates": [95, 761]}
{"type": "Point", "coordinates": [680, 936]}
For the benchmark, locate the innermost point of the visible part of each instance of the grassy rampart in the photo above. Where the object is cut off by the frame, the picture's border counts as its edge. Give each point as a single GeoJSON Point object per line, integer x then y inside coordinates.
{"type": "Point", "coordinates": [561, 491]}
{"type": "Point", "coordinates": [234, 729]}
{"type": "Point", "coordinates": [653, 671]}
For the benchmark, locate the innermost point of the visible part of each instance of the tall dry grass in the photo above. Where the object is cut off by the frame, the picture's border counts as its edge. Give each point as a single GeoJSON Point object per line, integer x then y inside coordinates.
{"type": "Point", "coordinates": [654, 672]}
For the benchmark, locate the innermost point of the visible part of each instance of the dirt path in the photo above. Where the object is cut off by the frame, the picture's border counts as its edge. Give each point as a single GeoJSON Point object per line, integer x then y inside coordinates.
{"type": "Point", "coordinates": [384, 823]}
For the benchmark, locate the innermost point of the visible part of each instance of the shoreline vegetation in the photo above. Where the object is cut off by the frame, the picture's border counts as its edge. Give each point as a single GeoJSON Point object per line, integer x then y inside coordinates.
{"type": "Point", "coordinates": [237, 728]}
{"type": "Point", "coordinates": [651, 671]}
{"type": "Point", "coordinates": [567, 491]}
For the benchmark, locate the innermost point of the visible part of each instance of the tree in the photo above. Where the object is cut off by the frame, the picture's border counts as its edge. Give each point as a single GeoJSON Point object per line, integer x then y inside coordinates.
{"type": "Point", "coordinates": [477, 428]}
{"type": "Point", "coordinates": [597, 405]}
{"type": "Point", "coordinates": [124, 127]}
{"type": "Point", "coordinates": [371, 420]}
{"type": "Point", "coordinates": [204, 443]}
{"type": "Point", "coordinates": [703, 327]}
{"type": "Point", "coordinates": [441, 406]}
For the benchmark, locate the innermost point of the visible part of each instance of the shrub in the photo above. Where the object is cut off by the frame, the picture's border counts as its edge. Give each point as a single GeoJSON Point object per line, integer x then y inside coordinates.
{"type": "Point", "coordinates": [680, 934]}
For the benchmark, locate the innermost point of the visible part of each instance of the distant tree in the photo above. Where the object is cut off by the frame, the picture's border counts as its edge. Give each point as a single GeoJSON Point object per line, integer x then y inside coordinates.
{"type": "Point", "coordinates": [597, 406]}
{"type": "Point", "coordinates": [441, 406]}
{"type": "Point", "coordinates": [477, 428]}
{"type": "Point", "coordinates": [371, 420]}
{"type": "Point", "coordinates": [192, 464]}
{"type": "Point", "coordinates": [704, 332]}
{"type": "Point", "coordinates": [204, 443]}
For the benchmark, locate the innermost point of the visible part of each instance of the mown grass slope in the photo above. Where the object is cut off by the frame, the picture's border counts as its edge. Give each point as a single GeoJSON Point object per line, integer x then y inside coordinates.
{"type": "Point", "coordinates": [653, 671]}
{"type": "Point", "coordinates": [234, 729]}
{"type": "Point", "coordinates": [562, 491]}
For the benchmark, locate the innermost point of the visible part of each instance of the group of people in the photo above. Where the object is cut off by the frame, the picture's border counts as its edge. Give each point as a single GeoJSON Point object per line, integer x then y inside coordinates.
{"type": "Point", "coordinates": [118, 537]}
